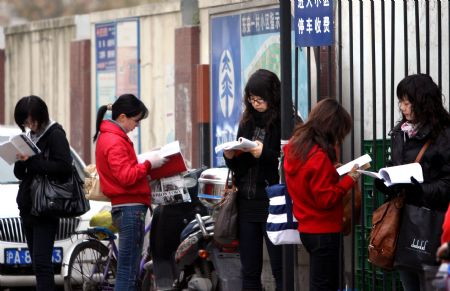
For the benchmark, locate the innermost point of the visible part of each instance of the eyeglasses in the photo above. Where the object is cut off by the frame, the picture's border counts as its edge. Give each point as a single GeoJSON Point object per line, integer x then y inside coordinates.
{"type": "Point", "coordinates": [256, 100]}
{"type": "Point", "coordinates": [28, 122]}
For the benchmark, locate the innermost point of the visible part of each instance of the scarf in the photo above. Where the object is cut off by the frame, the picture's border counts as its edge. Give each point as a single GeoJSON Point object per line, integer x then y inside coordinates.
{"type": "Point", "coordinates": [410, 129]}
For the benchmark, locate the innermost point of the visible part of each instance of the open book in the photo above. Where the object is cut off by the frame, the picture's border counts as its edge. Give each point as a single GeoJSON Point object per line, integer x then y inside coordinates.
{"type": "Point", "coordinates": [241, 143]}
{"type": "Point", "coordinates": [362, 160]}
{"type": "Point", "coordinates": [397, 174]}
{"type": "Point", "coordinates": [174, 165]}
{"type": "Point", "coordinates": [19, 144]}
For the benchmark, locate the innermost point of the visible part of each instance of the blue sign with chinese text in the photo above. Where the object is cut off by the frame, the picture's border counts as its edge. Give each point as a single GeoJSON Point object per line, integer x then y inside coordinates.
{"type": "Point", "coordinates": [313, 24]}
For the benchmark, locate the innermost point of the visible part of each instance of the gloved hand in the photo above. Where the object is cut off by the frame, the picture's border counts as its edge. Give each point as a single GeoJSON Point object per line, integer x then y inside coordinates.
{"type": "Point", "coordinates": [415, 188]}
{"type": "Point", "coordinates": [156, 159]}
{"type": "Point", "coordinates": [381, 187]}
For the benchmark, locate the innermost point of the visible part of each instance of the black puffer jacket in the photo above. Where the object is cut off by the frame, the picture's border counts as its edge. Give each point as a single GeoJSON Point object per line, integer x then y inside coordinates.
{"type": "Point", "coordinates": [57, 166]}
{"type": "Point", "coordinates": [435, 190]}
{"type": "Point", "coordinates": [254, 175]}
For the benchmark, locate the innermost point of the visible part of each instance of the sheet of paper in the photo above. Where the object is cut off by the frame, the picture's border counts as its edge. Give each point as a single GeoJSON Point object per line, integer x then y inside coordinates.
{"type": "Point", "coordinates": [402, 174]}
{"type": "Point", "coordinates": [371, 174]}
{"type": "Point", "coordinates": [362, 160]}
{"type": "Point", "coordinates": [241, 143]}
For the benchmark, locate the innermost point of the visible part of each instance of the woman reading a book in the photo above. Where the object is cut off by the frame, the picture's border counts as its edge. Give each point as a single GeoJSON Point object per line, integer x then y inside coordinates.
{"type": "Point", "coordinates": [124, 181]}
{"type": "Point", "coordinates": [55, 161]}
{"type": "Point", "coordinates": [316, 189]}
{"type": "Point", "coordinates": [423, 119]}
{"type": "Point", "coordinates": [254, 169]}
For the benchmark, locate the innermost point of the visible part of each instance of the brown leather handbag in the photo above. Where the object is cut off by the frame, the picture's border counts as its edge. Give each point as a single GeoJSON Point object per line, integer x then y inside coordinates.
{"type": "Point", "coordinates": [384, 233]}
{"type": "Point", "coordinates": [385, 228]}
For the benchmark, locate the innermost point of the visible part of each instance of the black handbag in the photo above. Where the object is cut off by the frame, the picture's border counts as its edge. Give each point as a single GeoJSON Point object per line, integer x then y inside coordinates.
{"type": "Point", "coordinates": [58, 198]}
{"type": "Point", "coordinates": [419, 237]}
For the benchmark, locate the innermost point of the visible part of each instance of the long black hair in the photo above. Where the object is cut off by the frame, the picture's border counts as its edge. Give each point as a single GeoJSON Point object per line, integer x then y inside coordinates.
{"type": "Point", "coordinates": [265, 84]}
{"type": "Point", "coordinates": [127, 104]}
{"type": "Point", "coordinates": [34, 107]}
{"type": "Point", "coordinates": [426, 102]}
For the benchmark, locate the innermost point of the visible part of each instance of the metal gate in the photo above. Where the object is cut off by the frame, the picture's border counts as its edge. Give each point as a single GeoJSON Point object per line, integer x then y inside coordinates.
{"type": "Point", "coordinates": [377, 43]}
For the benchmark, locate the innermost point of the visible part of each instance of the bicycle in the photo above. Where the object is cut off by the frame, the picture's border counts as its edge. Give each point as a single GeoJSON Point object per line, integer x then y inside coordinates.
{"type": "Point", "coordinates": [93, 264]}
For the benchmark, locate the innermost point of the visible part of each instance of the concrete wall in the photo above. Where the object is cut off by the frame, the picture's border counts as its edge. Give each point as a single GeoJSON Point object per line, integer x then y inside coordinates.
{"type": "Point", "coordinates": [37, 62]}
{"type": "Point", "coordinates": [157, 58]}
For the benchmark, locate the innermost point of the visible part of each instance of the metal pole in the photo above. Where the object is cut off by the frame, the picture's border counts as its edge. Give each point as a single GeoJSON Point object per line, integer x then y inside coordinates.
{"type": "Point", "coordinates": [289, 251]}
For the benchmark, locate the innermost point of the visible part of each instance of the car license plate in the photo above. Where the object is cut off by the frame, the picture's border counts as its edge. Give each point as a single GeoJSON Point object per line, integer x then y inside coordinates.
{"type": "Point", "coordinates": [22, 256]}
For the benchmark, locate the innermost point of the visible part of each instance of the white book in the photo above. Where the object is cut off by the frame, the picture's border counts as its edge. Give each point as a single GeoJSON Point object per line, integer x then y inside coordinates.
{"type": "Point", "coordinates": [241, 143]}
{"type": "Point", "coordinates": [174, 165]}
{"type": "Point", "coordinates": [362, 160]}
{"type": "Point", "coordinates": [397, 174]}
{"type": "Point", "coordinates": [19, 144]}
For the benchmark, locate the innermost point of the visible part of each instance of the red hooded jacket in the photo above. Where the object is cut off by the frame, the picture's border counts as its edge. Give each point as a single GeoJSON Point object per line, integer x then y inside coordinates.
{"type": "Point", "coordinates": [316, 191]}
{"type": "Point", "coordinates": [122, 178]}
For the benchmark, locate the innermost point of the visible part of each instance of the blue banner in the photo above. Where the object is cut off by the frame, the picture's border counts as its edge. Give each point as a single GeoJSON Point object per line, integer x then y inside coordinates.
{"type": "Point", "coordinates": [313, 24]}
{"type": "Point", "coordinates": [105, 45]}
{"type": "Point", "coordinates": [226, 99]}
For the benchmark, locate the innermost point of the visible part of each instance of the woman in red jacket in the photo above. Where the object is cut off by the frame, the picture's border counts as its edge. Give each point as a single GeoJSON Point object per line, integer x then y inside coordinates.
{"type": "Point", "coordinates": [124, 181]}
{"type": "Point", "coordinates": [316, 189]}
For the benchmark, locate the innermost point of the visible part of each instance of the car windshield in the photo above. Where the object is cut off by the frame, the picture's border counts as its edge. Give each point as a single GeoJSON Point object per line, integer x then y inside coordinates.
{"type": "Point", "coordinates": [7, 173]}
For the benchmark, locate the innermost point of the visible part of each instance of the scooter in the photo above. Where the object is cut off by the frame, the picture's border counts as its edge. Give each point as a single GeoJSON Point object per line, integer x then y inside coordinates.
{"type": "Point", "coordinates": [168, 221]}
{"type": "Point", "coordinates": [204, 264]}
{"type": "Point", "coordinates": [184, 255]}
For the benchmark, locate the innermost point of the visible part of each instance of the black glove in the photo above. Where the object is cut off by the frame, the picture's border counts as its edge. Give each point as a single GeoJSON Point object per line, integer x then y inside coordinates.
{"type": "Point", "coordinates": [381, 187]}
{"type": "Point", "coordinates": [414, 189]}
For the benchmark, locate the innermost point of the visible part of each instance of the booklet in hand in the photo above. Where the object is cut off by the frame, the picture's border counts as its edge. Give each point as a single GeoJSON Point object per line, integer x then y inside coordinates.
{"type": "Point", "coordinates": [175, 163]}
{"type": "Point", "coordinates": [398, 174]}
{"type": "Point", "coordinates": [241, 143]}
{"type": "Point", "coordinates": [362, 160]}
{"type": "Point", "coordinates": [19, 144]}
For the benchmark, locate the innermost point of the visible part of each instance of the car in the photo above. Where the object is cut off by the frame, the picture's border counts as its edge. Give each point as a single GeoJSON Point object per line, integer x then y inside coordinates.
{"type": "Point", "coordinates": [15, 262]}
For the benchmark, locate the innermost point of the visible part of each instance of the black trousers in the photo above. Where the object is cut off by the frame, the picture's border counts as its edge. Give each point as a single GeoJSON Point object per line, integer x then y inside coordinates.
{"type": "Point", "coordinates": [324, 260]}
{"type": "Point", "coordinates": [40, 235]}
{"type": "Point", "coordinates": [251, 236]}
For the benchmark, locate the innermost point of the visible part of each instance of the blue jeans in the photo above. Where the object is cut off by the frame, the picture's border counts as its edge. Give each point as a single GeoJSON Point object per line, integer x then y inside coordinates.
{"type": "Point", "coordinates": [130, 220]}
{"type": "Point", "coordinates": [251, 236]}
{"type": "Point", "coordinates": [323, 249]}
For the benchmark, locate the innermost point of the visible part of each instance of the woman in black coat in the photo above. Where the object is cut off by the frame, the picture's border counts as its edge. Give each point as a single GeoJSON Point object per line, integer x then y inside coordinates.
{"type": "Point", "coordinates": [254, 170]}
{"type": "Point", "coordinates": [55, 161]}
{"type": "Point", "coordinates": [424, 118]}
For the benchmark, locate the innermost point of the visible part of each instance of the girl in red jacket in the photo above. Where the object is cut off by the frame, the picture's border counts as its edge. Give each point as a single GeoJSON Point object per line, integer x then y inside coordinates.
{"type": "Point", "coordinates": [316, 189]}
{"type": "Point", "coordinates": [125, 182]}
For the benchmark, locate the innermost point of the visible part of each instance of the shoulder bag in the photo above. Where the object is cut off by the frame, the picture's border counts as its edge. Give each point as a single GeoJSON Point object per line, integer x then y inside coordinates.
{"type": "Point", "coordinates": [281, 226]}
{"type": "Point", "coordinates": [226, 220]}
{"type": "Point", "coordinates": [56, 198]}
{"type": "Point", "coordinates": [92, 185]}
{"type": "Point", "coordinates": [385, 228]}
{"type": "Point", "coordinates": [419, 237]}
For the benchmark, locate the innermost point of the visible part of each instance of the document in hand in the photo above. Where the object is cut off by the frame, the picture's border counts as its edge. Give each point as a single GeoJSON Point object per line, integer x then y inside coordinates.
{"type": "Point", "coordinates": [241, 143]}
{"type": "Point", "coordinates": [362, 160]}
{"type": "Point", "coordinates": [18, 145]}
{"type": "Point", "coordinates": [175, 163]}
{"type": "Point", "coordinates": [397, 174]}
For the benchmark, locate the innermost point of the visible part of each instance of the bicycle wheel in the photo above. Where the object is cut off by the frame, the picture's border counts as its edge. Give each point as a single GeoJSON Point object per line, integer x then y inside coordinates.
{"type": "Point", "coordinates": [90, 268]}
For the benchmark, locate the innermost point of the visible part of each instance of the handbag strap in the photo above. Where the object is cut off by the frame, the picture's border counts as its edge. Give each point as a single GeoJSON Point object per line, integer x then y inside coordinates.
{"type": "Point", "coordinates": [422, 151]}
{"type": "Point", "coordinates": [227, 183]}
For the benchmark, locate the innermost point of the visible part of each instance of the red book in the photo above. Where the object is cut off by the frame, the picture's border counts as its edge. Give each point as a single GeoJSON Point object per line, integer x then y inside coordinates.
{"type": "Point", "coordinates": [175, 161]}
